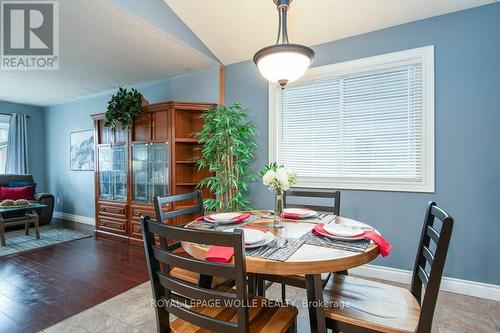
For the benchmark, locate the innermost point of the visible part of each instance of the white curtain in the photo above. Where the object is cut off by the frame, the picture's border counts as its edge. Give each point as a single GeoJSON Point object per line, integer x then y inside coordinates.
{"type": "Point", "coordinates": [17, 146]}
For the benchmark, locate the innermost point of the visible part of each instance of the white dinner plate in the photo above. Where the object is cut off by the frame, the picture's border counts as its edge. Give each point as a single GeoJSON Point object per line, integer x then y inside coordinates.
{"type": "Point", "coordinates": [224, 217]}
{"type": "Point", "coordinates": [219, 222]}
{"type": "Point", "coordinates": [253, 236]}
{"type": "Point", "coordinates": [304, 213]}
{"type": "Point", "coordinates": [269, 237]}
{"type": "Point", "coordinates": [342, 230]}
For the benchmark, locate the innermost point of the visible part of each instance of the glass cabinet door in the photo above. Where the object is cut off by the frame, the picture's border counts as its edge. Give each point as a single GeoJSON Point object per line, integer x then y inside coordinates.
{"type": "Point", "coordinates": [140, 157]}
{"type": "Point", "coordinates": [149, 171]}
{"type": "Point", "coordinates": [159, 169]}
{"type": "Point", "coordinates": [113, 172]}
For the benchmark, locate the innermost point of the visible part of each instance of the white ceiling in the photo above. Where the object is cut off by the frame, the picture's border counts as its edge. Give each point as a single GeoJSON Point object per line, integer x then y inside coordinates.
{"type": "Point", "coordinates": [235, 29]}
{"type": "Point", "coordinates": [101, 47]}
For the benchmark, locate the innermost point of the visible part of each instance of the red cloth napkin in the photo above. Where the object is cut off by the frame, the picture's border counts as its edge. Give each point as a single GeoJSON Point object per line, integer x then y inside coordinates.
{"type": "Point", "coordinates": [291, 216]}
{"type": "Point", "coordinates": [383, 245]}
{"type": "Point", "coordinates": [222, 254]}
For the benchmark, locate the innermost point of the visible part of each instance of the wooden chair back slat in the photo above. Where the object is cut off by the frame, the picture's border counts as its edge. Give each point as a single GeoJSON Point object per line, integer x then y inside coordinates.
{"type": "Point", "coordinates": [193, 292]}
{"type": "Point", "coordinates": [331, 208]}
{"type": "Point", "coordinates": [433, 234]}
{"type": "Point", "coordinates": [159, 202]}
{"type": "Point", "coordinates": [423, 275]}
{"type": "Point", "coordinates": [429, 256]}
{"type": "Point", "coordinates": [193, 265]}
{"type": "Point", "coordinates": [435, 261]}
{"type": "Point", "coordinates": [438, 213]}
{"type": "Point", "coordinates": [324, 209]}
{"type": "Point", "coordinates": [180, 212]}
{"type": "Point", "coordinates": [174, 292]}
{"type": "Point", "coordinates": [192, 235]}
{"type": "Point", "coordinates": [313, 194]}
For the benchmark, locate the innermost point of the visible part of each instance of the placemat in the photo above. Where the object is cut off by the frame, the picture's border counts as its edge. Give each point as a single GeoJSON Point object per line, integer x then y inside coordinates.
{"type": "Point", "coordinates": [274, 252]}
{"type": "Point", "coordinates": [358, 245]}
{"type": "Point", "coordinates": [221, 227]}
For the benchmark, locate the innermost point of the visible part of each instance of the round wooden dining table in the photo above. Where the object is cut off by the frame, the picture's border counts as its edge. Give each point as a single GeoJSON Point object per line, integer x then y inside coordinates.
{"type": "Point", "coordinates": [308, 260]}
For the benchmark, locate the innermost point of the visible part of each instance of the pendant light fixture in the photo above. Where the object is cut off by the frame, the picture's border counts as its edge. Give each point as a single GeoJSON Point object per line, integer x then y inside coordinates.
{"type": "Point", "coordinates": [283, 62]}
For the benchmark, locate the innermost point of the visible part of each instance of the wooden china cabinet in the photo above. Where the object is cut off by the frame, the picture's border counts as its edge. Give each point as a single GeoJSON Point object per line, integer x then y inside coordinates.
{"type": "Point", "coordinates": [155, 157]}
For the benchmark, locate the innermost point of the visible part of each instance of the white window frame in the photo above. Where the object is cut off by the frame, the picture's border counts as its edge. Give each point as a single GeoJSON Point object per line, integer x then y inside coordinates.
{"type": "Point", "coordinates": [424, 55]}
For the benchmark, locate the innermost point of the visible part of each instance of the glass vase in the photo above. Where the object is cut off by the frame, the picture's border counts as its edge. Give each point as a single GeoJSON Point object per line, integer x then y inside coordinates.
{"type": "Point", "coordinates": [278, 209]}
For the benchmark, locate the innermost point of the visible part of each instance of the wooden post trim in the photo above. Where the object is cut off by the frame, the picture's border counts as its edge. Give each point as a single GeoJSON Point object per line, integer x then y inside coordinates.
{"type": "Point", "coordinates": [221, 85]}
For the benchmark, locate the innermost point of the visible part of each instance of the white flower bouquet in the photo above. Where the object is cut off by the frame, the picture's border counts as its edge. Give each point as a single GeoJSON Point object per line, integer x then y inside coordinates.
{"type": "Point", "coordinates": [278, 178]}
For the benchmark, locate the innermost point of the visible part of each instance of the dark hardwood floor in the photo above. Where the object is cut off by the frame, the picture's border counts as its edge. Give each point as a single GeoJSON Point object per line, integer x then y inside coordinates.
{"type": "Point", "coordinates": [42, 287]}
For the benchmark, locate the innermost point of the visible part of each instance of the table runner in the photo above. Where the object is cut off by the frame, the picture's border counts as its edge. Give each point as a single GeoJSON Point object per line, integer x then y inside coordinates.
{"type": "Point", "coordinates": [274, 252]}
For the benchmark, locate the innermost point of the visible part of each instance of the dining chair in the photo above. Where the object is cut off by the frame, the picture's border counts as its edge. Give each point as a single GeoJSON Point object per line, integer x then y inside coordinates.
{"type": "Point", "coordinates": [377, 307]}
{"type": "Point", "coordinates": [185, 215]}
{"type": "Point", "coordinates": [198, 308]}
{"type": "Point", "coordinates": [312, 200]}
{"type": "Point", "coordinates": [303, 199]}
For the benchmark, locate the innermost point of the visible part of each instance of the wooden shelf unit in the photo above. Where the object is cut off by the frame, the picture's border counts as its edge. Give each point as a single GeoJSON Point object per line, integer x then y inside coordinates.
{"type": "Point", "coordinates": [170, 122]}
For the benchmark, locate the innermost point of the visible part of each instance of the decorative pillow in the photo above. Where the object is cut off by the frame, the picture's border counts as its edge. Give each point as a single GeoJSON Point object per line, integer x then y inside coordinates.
{"type": "Point", "coordinates": [16, 193]}
{"type": "Point", "coordinates": [14, 183]}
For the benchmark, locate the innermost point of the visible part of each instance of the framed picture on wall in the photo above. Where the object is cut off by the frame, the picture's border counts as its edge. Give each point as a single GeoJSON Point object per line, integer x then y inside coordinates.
{"type": "Point", "coordinates": [82, 151]}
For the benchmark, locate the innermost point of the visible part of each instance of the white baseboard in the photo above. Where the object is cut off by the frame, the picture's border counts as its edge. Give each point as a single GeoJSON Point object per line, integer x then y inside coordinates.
{"type": "Point", "coordinates": [74, 218]}
{"type": "Point", "coordinates": [459, 286]}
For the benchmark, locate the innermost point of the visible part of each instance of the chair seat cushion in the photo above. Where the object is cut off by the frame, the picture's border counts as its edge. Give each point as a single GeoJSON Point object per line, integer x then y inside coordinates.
{"type": "Point", "coordinates": [264, 316]}
{"type": "Point", "coordinates": [371, 305]}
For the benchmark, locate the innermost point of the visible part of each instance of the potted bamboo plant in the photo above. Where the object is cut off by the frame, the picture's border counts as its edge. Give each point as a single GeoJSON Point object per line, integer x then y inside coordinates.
{"type": "Point", "coordinates": [228, 140]}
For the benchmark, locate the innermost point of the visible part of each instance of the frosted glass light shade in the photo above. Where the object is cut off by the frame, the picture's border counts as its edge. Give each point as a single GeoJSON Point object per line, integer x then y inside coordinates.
{"type": "Point", "coordinates": [283, 63]}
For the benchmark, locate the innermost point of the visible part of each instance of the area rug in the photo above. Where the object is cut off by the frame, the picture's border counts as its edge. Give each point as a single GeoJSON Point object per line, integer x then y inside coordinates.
{"type": "Point", "coordinates": [17, 241]}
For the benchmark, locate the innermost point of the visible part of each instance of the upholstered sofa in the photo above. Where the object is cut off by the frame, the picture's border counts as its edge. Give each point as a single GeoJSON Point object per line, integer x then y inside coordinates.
{"type": "Point", "coordinates": [43, 198]}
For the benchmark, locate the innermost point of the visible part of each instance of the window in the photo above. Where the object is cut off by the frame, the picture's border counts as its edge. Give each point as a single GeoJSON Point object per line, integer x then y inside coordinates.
{"type": "Point", "coordinates": [4, 137]}
{"type": "Point", "coordinates": [362, 124]}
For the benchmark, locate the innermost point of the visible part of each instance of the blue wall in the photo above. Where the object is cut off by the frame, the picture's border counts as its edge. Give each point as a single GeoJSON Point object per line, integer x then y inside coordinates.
{"type": "Point", "coordinates": [76, 188]}
{"type": "Point", "coordinates": [467, 68]}
{"type": "Point", "coordinates": [36, 139]}
{"type": "Point", "coordinates": [467, 72]}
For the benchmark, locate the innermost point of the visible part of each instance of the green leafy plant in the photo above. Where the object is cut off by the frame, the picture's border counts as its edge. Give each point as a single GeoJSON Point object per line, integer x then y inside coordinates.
{"type": "Point", "coordinates": [228, 140]}
{"type": "Point", "coordinates": [122, 108]}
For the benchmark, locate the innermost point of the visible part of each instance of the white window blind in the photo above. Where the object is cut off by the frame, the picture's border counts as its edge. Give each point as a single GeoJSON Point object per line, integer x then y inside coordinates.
{"type": "Point", "coordinates": [362, 127]}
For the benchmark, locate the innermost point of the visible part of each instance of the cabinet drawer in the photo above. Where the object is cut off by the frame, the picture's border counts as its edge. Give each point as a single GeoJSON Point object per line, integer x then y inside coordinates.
{"type": "Point", "coordinates": [117, 210]}
{"type": "Point", "coordinates": [138, 211]}
{"type": "Point", "coordinates": [135, 230]}
{"type": "Point", "coordinates": [112, 224]}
